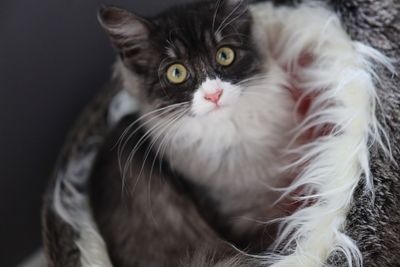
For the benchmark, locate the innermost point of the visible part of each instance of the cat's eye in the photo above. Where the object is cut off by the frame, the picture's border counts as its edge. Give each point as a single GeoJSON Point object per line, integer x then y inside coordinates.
{"type": "Point", "coordinates": [225, 56]}
{"type": "Point", "coordinates": [177, 73]}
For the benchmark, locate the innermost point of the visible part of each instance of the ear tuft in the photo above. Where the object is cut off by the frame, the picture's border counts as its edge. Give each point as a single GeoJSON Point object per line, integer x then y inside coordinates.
{"type": "Point", "coordinates": [122, 26]}
{"type": "Point", "coordinates": [113, 16]}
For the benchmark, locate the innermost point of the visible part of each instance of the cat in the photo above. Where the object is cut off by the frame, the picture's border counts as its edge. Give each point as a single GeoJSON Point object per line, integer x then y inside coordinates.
{"type": "Point", "coordinates": [214, 112]}
{"type": "Point", "coordinates": [367, 223]}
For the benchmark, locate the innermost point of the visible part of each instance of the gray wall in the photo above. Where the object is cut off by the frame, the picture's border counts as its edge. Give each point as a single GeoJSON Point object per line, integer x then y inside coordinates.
{"type": "Point", "coordinates": [53, 60]}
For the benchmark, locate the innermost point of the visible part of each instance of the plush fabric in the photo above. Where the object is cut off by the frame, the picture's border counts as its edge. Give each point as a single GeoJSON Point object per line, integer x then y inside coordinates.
{"type": "Point", "coordinates": [376, 227]}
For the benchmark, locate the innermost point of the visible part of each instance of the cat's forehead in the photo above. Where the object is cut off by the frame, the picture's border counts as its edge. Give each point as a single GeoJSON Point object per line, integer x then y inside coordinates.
{"type": "Point", "coordinates": [194, 27]}
{"type": "Point", "coordinates": [180, 44]}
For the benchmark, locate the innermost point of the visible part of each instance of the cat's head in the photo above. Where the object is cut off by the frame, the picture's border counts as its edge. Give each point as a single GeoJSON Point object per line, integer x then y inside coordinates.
{"type": "Point", "coordinates": [194, 57]}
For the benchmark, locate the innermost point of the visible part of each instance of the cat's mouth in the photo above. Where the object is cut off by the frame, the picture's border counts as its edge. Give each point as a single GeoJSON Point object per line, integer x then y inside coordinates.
{"type": "Point", "coordinates": [221, 107]}
{"type": "Point", "coordinates": [214, 109]}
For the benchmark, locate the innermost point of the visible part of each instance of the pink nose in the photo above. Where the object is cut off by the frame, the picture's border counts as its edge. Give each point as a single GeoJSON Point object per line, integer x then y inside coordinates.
{"type": "Point", "coordinates": [214, 97]}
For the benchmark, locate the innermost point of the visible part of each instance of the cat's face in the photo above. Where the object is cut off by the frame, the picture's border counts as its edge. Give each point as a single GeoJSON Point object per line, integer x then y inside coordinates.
{"type": "Point", "coordinates": [194, 57]}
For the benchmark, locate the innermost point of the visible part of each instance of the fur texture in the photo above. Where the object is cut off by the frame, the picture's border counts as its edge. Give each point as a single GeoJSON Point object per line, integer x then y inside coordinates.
{"type": "Point", "coordinates": [341, 80]}
{"type": "Point", "coordinates": [232, 146]}
{"type": "Point", "coordinates": [375, 225]}
{"type": "Point", "coordinates": [342, 73]}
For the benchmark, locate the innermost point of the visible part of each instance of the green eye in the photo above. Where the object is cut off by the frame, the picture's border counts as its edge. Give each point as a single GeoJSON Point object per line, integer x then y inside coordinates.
{"type": "Point", "coordinates": [177, 73]}
{"type": "Point", "coordinates": [225, 56]}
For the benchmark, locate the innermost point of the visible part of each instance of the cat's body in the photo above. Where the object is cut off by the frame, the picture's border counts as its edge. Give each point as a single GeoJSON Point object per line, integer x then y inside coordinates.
{"type": "Point", "coordinates": [230, 147]}
{"type": "Point", "coordinates": [145, 222]}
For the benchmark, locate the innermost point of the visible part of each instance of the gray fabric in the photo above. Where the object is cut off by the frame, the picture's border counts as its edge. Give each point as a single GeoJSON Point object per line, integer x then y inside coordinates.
{"type": "Point", "coordinates": [376, 228]}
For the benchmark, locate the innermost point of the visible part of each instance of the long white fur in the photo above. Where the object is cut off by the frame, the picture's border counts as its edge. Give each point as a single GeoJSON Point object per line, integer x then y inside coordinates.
{"type": "Point", "coordinates": [342, 73]}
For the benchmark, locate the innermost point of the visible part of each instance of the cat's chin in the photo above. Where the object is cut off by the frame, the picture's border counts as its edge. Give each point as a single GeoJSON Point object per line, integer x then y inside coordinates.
{"type": "Point", "coordinates": [218, 112]}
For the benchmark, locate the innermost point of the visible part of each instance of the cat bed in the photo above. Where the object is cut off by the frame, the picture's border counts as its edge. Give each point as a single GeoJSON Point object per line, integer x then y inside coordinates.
{"type": "Point", "coordinates": [338, 55]}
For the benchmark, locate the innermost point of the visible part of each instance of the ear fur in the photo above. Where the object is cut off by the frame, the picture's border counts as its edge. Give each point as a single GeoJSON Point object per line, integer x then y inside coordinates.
{"type": "Point", "coordinates": [126, 30]}
{"type": "Point", "coordinates": [129, 34]}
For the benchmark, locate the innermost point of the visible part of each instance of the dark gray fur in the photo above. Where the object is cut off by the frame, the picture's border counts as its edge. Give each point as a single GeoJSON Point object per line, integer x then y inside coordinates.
{"type": "Point", "coordinates": [145, 221]}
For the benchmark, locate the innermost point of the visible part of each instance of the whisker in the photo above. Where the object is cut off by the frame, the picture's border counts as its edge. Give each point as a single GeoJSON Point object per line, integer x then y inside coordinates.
{"type": "Point", "coordinates": [263, 77]}
{"type": "Point", "coordinates": [227, 17]}
{"type": "Point", "coordinates": [122, 145]}
{"type": "Point", "coordinates": [255, 94]}
{"type": "Point", "coordinates": [232, 20]}
{"type": "Point", "coordinates": [215, 14]}
{"type": "Point", "coordinates": [141, 141]}
{"type": "Point", "coordinates": [165, 133]}
{"type": "Point", "coordinates": [165, 138]}
{"type": "Point", "coordinates": [125, 132]}
{"type": "Point", "coordinates": [165, 145]}
{"type": "Point", "coordinates": [161, 132]}
{"type": "Point", "coordinates": [124, 170]}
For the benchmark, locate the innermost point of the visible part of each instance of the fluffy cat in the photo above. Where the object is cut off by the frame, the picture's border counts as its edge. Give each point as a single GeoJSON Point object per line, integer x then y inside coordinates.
{"type": "Point", "coordinates": [127, 221]}
{"type": "Point", "coordinates": [214, 111]}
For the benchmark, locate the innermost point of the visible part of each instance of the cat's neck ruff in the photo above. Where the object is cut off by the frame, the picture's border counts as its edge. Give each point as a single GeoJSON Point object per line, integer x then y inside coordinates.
{"type": "Point", "coordinates": [237, 149]}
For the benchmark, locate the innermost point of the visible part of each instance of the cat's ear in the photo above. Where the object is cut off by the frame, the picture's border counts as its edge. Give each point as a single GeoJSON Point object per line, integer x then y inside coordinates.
{"type": "Point", "coordinates": [126, 30]}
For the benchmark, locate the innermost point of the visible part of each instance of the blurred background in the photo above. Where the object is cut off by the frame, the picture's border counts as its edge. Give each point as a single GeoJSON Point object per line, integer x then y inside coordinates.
{"type": "Point", "coordinates": [53, 59]}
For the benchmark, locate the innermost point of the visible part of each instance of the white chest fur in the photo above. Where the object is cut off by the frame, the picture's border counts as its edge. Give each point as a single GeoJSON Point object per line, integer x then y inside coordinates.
{"type": "Point", "coordinates": [236, 152]}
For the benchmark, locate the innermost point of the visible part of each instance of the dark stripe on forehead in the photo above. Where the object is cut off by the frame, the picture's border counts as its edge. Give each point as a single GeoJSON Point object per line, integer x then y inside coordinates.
{"type": "Point", "coordinates": [180, 47]}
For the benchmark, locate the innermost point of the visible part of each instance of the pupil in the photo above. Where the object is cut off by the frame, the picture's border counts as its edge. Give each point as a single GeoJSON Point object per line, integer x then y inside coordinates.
{"type": "Point", "coordinates": [177, 73]}
{"type": "Point", "coordinates": [224, 56]}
